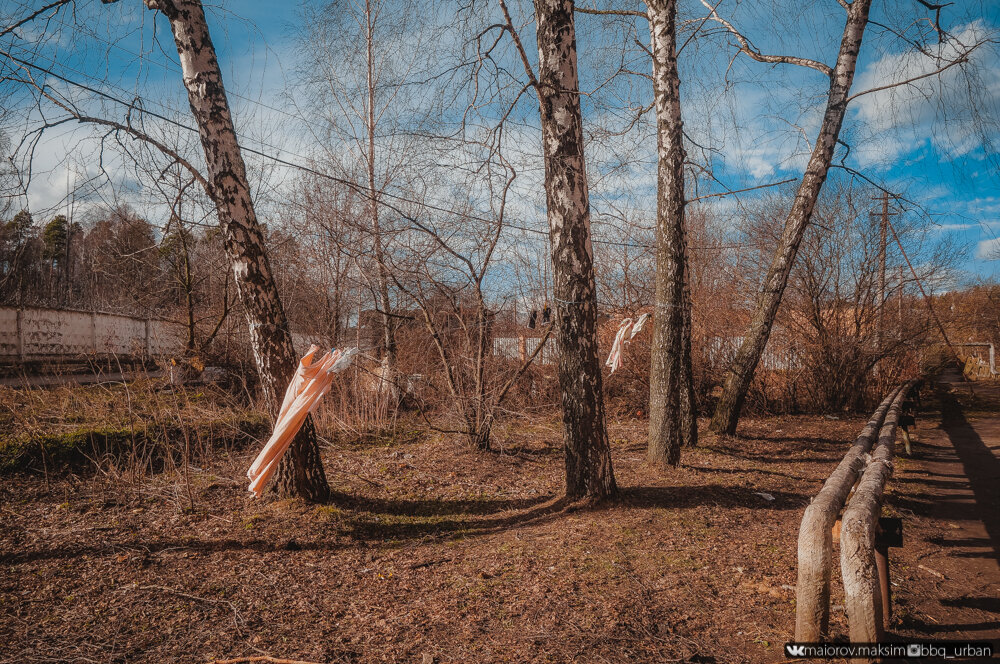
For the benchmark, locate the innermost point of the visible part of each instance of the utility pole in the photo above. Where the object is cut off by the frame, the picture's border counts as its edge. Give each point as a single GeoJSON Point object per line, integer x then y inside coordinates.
{"type": "Point", "coordinates": [899, 301]}
{"type": "Point", "coordinates": [927, 299]}
{"type": "Point", "coordinates": [881, 267]}
{"type": "Point", "coordinates": [883, 235]}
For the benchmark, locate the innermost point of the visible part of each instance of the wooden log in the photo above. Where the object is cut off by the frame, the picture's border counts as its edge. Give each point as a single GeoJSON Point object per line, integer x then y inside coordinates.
{"type": "Point", "coordinates": [863, 597]}
{"type": "Point", "coordinates": [812, 590]}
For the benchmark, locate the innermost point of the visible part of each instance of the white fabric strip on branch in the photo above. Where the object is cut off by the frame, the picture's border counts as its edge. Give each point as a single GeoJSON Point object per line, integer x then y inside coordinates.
{"type": "Point", "coordinates": [626, 332]}
{"type": "Point", "coordinates": [638, 325]}
{"type": "Point", "coordinates": [615, 358]}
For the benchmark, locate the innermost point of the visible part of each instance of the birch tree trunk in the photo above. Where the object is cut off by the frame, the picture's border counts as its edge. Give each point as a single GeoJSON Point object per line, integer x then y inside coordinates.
{"type": "Point", "coordinates": [588, 457]}
{"type": "Point", "coordinates": [301, 472]}
{"type": "Point", "coordinates": [670, 390]}
{"type": "Point", "coordinates": [744, 364]}
{"type": "Point", "coordinates": [689, 404]}
{"type": "Point", "coordinates": [387, 382]}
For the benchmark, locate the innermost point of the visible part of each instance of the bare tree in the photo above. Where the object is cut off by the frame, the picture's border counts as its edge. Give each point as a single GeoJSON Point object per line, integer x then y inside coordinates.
{"type": "Point", "coordinates": [301, 472]}
{"type": "Point", "coordinates": [227, 184]}
{"type": "Point", "coordinates": [9, 181]}
{"type": "Point", "coordinates": [671, 392]}
{"type": "Point", "coordinates": [328, 212]}
{"type": "Point", "coordinates": [841, 76]}
{"type": "Point", "coordinates": [741, 371]}
{"type": "Point", "coordinates": [450, 272]}
{"type": "Point", "coordinates": [589, 473]}
{"type": "Point", "coordinates": [355, 76]}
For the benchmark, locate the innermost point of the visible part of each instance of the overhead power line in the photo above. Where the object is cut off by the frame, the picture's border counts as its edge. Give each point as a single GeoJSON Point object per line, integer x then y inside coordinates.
{"type": "Point", "coordinates": [166, 66]}
{"type": "Point", "coordinates": [135, 106]}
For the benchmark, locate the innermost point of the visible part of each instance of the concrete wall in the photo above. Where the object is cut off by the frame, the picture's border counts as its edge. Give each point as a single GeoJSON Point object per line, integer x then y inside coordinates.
{"type": "Point", "coordinates": [34, 334]}
{"type": "Point", "coordinates": [39, 334]}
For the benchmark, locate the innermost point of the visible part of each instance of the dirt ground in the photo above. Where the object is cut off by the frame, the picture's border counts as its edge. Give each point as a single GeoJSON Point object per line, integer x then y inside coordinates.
{"type": "Point", "coordinates": [432, 552]}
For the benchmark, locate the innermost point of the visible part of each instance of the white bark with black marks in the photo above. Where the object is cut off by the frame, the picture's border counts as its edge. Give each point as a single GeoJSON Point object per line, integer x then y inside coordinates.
{"type": "Point", "coordinates": [671, 393]}
{"type": "Point", "coordinates": [745, 362]}
{"type": "Point", "coordinates": [588, 457]}
{"type": "Point", "coordinates": [301, 472]}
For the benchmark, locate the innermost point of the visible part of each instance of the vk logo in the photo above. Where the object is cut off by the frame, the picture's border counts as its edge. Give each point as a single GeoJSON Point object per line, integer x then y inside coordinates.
{"type": "Point", "coordinates": [793, 650]}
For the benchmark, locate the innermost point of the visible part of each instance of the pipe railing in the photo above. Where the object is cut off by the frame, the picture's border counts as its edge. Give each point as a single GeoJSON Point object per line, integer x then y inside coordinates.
{"type": "Point", "coordinates": [815, 544]}
{"type": "Point", "coordinates": [866, 583]}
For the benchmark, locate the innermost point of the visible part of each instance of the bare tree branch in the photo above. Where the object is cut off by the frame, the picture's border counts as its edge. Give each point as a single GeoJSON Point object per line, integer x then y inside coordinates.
{"type": "Point", "coordinates": [53, 5]}
{"type": "Point", "coordinates": [960, 60]}
{"type": "Point", "coordinates": [609, 12]}
{"type": "Point", "coordinates": [740, 191]}
{"type": "Point", "coordinates": [518, 45]}
{"type": "Point", "coordinates": [747, 48]}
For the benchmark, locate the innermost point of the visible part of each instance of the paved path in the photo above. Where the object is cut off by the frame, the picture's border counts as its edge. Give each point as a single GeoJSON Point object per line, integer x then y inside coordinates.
{"type": "Point", "coordinates": [949, 497]}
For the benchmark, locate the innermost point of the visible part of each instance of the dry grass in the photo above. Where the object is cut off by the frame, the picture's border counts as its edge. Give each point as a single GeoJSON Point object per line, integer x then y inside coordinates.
{"type": "Point", "coordinates": [124, 434]}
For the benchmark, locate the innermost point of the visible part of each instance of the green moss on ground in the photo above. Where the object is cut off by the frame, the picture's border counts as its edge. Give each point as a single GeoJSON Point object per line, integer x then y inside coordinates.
{"type": "Point", "coordinates": [62, 449]}
{"type": "Point", "coordinates": [80, 447]}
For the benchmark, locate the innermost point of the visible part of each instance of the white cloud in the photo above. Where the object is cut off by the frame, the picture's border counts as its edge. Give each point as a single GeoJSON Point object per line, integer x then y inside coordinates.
{"type": "Point", "coordinates": [952, 228]}
{"type": "Point", "coordinates": [761, 129]}
{"type": "Point", "coordinates": [938, 110]}
{"type": "Point", "coordinates": [988, 250]}
{"type": "Point", "coordinates": [985, 205]}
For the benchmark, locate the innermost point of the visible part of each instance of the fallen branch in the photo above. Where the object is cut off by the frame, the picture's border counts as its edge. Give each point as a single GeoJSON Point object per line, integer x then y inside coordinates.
{"type": "Point", "coordinates": [232, 607]}
{"type": "Point", "coordinates": [260, 658]}
{"type": "Point", "coordinates": [932, 571]}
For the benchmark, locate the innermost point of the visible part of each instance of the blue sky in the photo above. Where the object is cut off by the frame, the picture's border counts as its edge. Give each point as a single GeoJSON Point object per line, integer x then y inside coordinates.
{"type": "Point", "coordinates": [759, 120]}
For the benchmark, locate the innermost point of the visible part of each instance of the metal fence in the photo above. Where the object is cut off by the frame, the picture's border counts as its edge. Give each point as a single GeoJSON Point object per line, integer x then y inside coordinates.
{"type": "Point", "coordinates": [778, 355]}
{"type": "Point", "coordinates": [519, 348]}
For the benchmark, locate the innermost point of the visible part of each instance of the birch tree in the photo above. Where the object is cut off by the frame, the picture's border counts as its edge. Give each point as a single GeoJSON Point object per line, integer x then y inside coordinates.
{"type": "Point", "coordinates": [841, 76]}
{"type": "Point", "coordinates": [589, 473]}
{"type": "Point", "coordinates": [671, 392]}
{"type": "Point", "coordinates": [301, 472]}
{"type": "Point", "coordinates": [356, 75]}
{"type": "Point", "coordinates": [9, 190]}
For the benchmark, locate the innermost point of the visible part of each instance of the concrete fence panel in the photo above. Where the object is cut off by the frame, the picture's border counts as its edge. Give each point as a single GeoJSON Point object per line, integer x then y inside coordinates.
{"type": "Point", "coordinates": [48, 333]}
{"type": "Point", "coordinates": [10, 337]}
{"type": "Point", "coordinates": [37, 334]}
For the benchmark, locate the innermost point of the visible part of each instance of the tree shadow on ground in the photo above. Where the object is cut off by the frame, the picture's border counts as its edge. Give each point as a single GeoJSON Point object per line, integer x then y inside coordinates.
{"type": "Point", "coordinates": [952, 509]}
{"type": "Point", "coordinates": [368, 519]}
{"type": "Point", "coordinates": [942, 484]}
{"type": "Point", "coordinates": [403, 524]}
{"type": "Point", "coordinates": [917, 624]}
{"type": "Point", "coordinates": [980, 464]}
{"type": "Point", "coordinates": [524, 452]}
{"type": "Point", "coordinates": [743, 471]}
{"type": "Point", "coordinates": [714, 495]}
{"type": "Point", "coordinates": [433, 507]}
{"type": "Point", "coordinates": [938, 540]}
{"type": "Point", "coordinates": [146, 548]}
{"type": "Point", "coordinates": [815, 441]}
{"type": "Point", "coordinates": [764, 458]}
{"type": "Point", "coordinates": [988, 604]}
